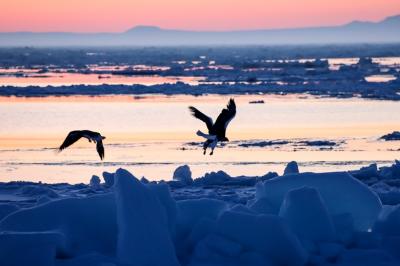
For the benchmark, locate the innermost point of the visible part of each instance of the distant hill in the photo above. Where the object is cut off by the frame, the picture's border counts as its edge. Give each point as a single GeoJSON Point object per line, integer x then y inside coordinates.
{"type": "Point", "coordinates": [385, 31]}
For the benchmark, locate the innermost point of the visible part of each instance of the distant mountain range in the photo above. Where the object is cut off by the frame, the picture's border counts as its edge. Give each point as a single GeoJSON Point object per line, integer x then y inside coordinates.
{"type": "Point", "coordinates": [385, 31]}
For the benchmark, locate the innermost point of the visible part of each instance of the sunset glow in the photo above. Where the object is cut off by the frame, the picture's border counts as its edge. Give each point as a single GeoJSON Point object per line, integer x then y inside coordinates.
{"type": "Point", "coordinates": [120, 15]}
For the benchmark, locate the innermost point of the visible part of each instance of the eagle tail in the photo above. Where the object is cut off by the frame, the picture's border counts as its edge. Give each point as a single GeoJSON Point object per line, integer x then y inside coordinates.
{"type": "Point", "coordinates": [206, 136]}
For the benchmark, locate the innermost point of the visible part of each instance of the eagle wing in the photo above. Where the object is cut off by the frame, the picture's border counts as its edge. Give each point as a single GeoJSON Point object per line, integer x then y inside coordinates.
{"type": "Point", "coordinates": [100, 149]}
{"type": "Point", "coordinates": [199, 115]}
{"type": "Point", "coordinates": [72, 137]}
{"type": "Point", "coordinates": [226, 115]}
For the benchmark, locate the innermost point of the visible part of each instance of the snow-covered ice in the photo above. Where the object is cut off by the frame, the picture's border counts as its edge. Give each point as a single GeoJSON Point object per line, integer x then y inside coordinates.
{"type": "Point", "coordinates": [307, 215]}
{"type": "Point", "coordinates": [291, 168]}
{"type": "Point", "coordinates": [341, 193]}
{"type": "Point", "coordinates": [183, 174]}
{"type": "Point", "coordinates": [395, 135]}
{"type": "Point", "coordinates": [95, 182]}
{"type": "Point", "coordinates": [293, 219]}
{"type": "Point", "coordinates": [83, 224]}
{"type": "Point", "coordinates": [268, 235]}
{"type": "Point", "coordinates": [143, 235]}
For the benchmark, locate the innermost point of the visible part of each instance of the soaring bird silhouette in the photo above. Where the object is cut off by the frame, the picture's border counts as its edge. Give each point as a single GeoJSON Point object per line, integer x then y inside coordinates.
{"type": "Point", "coordinates": [217, 130]}
{"type": "Point", "coordinates": [75, 135]}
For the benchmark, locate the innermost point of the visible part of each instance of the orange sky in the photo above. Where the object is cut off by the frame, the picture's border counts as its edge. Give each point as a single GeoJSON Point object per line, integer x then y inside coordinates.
{"type": "Point", "coordinates": [120, 15]}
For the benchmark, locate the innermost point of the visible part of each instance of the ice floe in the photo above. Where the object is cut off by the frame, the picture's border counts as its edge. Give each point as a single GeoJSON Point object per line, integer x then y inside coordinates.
{"type": "Point", "coordinates": [294, 219]}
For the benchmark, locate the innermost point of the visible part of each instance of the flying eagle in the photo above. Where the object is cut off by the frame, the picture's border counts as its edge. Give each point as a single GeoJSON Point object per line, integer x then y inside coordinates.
{"type": "Point", "coordinates": [75, 135]}
{"type": "Point", "coordinates": [217, 130]}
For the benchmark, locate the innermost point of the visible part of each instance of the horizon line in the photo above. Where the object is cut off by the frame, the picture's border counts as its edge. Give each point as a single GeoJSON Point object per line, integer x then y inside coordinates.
{"type": "Point", "coordinates": [155, 27]}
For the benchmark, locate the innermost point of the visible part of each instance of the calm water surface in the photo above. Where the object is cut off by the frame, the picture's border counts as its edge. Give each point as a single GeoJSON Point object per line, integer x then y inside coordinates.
{"type": "Point", "coordinates": [68, 79]}
{"type": "Point", "coordinates": [149, 136]}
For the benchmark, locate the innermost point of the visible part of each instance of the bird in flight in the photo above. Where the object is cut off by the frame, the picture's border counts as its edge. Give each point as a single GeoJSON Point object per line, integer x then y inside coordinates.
{"type": "Point", "coordinates": [75, 135]}
{"type": "Point", "coordinates": [217, 130]}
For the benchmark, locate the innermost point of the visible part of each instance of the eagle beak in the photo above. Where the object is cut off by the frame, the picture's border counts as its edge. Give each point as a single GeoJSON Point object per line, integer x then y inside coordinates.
{"type": "Point", "coordinates": [103, 137]}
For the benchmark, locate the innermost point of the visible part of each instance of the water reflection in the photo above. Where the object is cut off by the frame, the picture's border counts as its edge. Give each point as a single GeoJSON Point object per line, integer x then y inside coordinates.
{"type": "Point", "coordinates": [148, 135]}
{"type": "Point", "coordinates": [67, 79]}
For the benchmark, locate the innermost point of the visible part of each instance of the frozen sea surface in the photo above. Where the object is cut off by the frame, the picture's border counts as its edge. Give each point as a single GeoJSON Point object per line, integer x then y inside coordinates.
{"type": "Point", "coordinates": [216, 219]}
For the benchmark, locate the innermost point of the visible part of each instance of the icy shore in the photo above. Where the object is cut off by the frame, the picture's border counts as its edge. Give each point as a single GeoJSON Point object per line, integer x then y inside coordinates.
{"type": "Point", "coordinates": [338, 89]}
{"type": "Point", "coordinates": [337, 218]}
